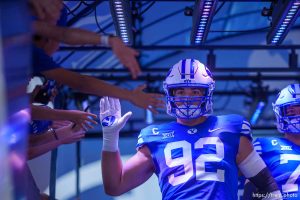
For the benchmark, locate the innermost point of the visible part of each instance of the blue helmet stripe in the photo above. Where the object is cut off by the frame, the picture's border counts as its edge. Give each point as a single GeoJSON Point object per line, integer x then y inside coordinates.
{"type": "Point", "coordinates": [192, 70]}
{"type": "Point", "coordinates": [183, 69]}
{"type": "Point", "coordinates": [294, 89]}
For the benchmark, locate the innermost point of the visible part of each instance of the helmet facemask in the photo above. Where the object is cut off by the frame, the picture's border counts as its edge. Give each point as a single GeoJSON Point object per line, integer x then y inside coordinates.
{"type": "Point", "coordinates": [288, 117]}
{"type": "Point", "coordinates": [189, 107]}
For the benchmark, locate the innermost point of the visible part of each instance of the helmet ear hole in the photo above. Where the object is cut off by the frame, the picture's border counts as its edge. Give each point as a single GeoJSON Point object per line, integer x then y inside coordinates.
{"type": "Point", "coordinates": [172, 92]}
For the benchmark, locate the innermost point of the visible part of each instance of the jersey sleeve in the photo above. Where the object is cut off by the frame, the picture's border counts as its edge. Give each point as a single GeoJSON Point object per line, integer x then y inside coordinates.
{"type": "Point", "coordinates": [144, 137]}
{"type": "Point", "coordinates": [246, 130]}
{"type": "Point", "coordinates": [265, 146]}
{"type": "Point", "coordinates": [257, 146]}
{"type": "Point", "coordinates": [240, 125]}
{"type": "Point", "coordinates": [235, 124]}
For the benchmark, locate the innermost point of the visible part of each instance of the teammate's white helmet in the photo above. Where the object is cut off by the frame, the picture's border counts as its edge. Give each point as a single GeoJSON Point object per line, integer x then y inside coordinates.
{"type": "Point", "coordinates": [289, 96]}
{"type": "Point", "coordinates": [192, 74]}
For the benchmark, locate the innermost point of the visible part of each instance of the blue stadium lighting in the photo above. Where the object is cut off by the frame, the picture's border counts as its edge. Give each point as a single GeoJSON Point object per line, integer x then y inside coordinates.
{"type": "Point", "coordinates": [121, 13]}
{"type": "Point", "coordinates": [284, 16]}
{"type": "Point", "coordinates": [259, 108]}
{"type": "Point", "coordinates": [149, 117]}
{"type": "Point", "coordinates": [202, 18]}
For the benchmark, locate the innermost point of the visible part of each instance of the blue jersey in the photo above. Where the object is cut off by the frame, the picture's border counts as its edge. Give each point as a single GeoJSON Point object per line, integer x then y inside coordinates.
{"type": "Point", "coordinates": [197, 162]}
{"type": "Point", "coordinates": [283, 159]}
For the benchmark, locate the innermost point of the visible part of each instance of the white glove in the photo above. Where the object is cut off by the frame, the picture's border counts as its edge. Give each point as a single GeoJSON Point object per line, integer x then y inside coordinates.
{"type": "Point", "coordinates": [112, 122]}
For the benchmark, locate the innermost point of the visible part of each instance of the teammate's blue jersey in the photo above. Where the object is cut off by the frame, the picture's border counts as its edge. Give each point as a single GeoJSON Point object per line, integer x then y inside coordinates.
{"type": "Point", "coordinates": [197, 162]}
{"type": "Point", "coordinates": [283, 159]}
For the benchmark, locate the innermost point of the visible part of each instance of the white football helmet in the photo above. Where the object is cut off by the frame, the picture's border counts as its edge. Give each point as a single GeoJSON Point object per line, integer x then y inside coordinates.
{"type": "Point", "coordinates": [289, 96]}
{"type": "Point", "coordinates": [192, 74]}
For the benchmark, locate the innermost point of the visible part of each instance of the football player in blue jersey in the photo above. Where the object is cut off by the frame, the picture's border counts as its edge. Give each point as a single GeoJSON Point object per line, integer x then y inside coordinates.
{"type": "Point", "coordinates": [282, 155]}
{"type": "Point", "coordinates": [195, 157]}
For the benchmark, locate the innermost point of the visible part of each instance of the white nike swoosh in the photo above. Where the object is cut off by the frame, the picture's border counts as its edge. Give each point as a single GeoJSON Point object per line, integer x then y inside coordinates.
{"type": "Point", "coordinates": [212, 130]}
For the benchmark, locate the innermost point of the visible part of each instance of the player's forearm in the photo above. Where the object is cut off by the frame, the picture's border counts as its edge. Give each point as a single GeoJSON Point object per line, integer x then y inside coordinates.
{"type": "Point", "coordinates": [249, 191]}
{"type": "Point", "coordinates": [266, 185]}
{"type": "Point", "coordinates": [254, 169]}
{"type": "Point", "coordinates": [112, 173]}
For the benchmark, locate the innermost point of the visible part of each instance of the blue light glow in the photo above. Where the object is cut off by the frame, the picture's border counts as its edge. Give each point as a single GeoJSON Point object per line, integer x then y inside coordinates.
{"type": "Point", "coordinates": [149, 117]}
{"type": "Point", "coordinates": [121, 19]}
{"type": "Point", "coordinates": [259, 108]}
{"type": "Point", "coordinates": [280, 30]}
{"type": "Point", "coordinates": [205, 13]}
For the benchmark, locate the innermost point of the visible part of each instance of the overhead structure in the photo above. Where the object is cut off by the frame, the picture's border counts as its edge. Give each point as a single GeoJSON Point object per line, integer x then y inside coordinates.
{"type": "Point", "coordinates": [202, 18]}
{"type": "Point", "coordinates": [121, 14]}
{"type": "Point", "coordinates": [284, 15]}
